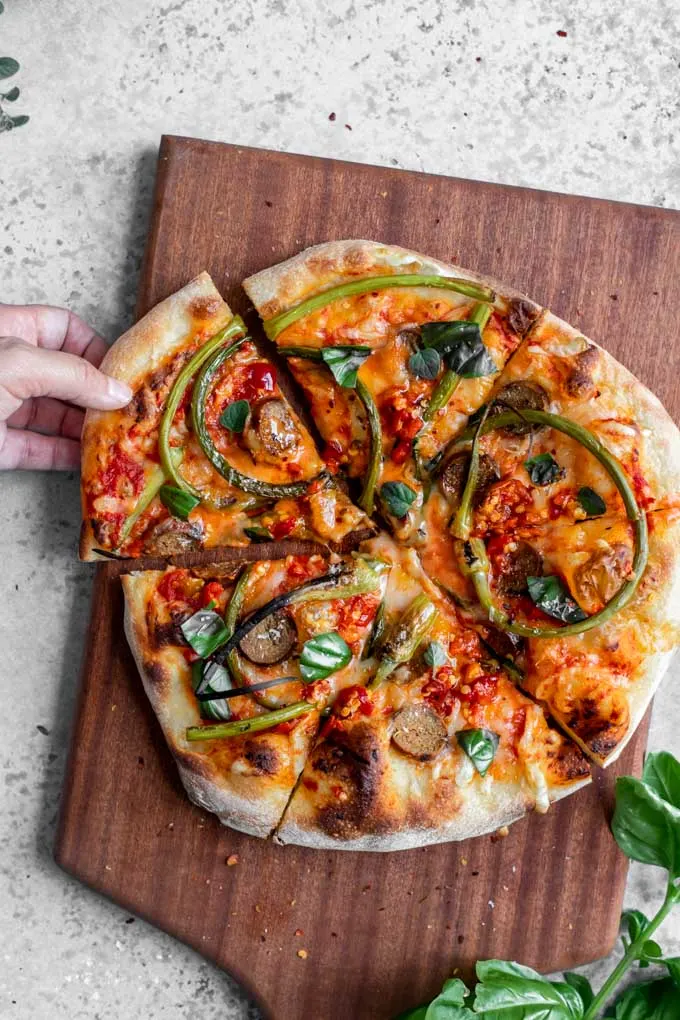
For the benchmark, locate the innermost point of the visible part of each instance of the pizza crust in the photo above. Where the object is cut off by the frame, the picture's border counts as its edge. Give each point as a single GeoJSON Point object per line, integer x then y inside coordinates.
{"type": "Point", "coordinates": [250, 803]}
{"type": "Point", "coordinates": [278, 288]}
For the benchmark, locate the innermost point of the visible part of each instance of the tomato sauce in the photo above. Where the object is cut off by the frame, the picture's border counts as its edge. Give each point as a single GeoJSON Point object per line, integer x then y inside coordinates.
{"type": "Point", "coordinates": [122, 469]}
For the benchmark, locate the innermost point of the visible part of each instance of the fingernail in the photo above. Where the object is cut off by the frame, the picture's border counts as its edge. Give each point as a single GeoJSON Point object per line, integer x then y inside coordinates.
{"type": "Point", "coordinates": [119, 391]}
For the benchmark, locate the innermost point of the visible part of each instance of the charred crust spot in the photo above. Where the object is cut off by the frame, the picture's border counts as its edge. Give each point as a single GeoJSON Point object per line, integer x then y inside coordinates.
{"type": "Point", "coordinates": [600, 735]}
{"type": "Point", "coordinates": [205, 307]}
{"type": "Point", "coordinates": [263, 758]}
{"type": "Point", "coordinates": [355, 765]}
{"type": "Point", "coordinates": [143, 404]}
{"type": "Point", "coordinates": [167, 634]}
{"type": "Point", "coordinates": [155, 672]}
{"type": "Point", "coordinates": [569, 764]}
{"type": "Point", "coordinates": [521, 315]}
{"type": "Point", "coordinates": [580, 382]}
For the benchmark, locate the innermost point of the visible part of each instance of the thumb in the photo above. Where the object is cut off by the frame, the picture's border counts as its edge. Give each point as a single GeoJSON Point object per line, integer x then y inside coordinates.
{"type": "Point", "coordinates": [27, 371]}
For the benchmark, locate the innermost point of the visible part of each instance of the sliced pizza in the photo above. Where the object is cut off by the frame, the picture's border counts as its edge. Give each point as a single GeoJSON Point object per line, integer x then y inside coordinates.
{"type": "Point", "coordinates": [238, 660]}
{"type": "Point", "coordinates": [437, 744]}
{"type": "Point", "coordinates": [207, 445]}
{"type": "Point", "coordinates": [393, 350]}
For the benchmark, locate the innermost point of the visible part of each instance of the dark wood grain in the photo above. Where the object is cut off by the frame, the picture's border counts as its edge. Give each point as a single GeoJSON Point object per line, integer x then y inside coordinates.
{"type": "Point", "coordinates": [382, 932]}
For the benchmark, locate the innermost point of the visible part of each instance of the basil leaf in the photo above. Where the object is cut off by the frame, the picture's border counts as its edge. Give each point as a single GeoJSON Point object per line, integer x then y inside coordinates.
{"type": "Point", "coordinates": [582, 986]}
{"type": "Point", "coordinates": [425, 364]}
{"type": "Point", "coordinates": [256, 533]}
{"type": "Point", "coordinates": [662, 774]}
{"type": "Point", "coordinates": [653, 1000]}
{"type": "Point", "coordinates": [480, 746]}
{"type": "Point", "coordinates": [635, 922]}
{"type": "Point", "coordinates": [209, 677]}
{"type": "Point", "coordinates": [450, 1003]}
{"type": "Point", "coordinates": [8, 67]}
{"type": "Point", "coordinates": [19, 121]}
{"type": "Point", "coordinates": [322, 655]}
{"type": "Point", "coordinates": [205, 632]}
{"type": "Point", "coordinates": [543, 469]}
{"type": "Point", "coordinates": [235, 416]}
{"type": "Point", "coordinates": [12, 95]}
{"type": "Point", "coordinates": [520, 993]}
{"type": "Point", "coordinates": [461, 344]}
{"type": "Point", "coordinates": [179, 502]}
{"type": "Point", "coordinates": [435, 655]}
{"type": "Point", "coordinates": [592, 503]}
{"type": "Point", "coordinates": [550, 595]}
{"type": "Point", "coordinates": [2, 7]}
{"type": "Point", "coordinates": [651, 953]}
{"type": "Point", "coordinates": [646, 826]}
{"type": "Point", "coordinates": [672, 964]}
{"type": "Point", "coordinates": [397, 497]}
{"type": "Point", "coordinates": [345, 362]}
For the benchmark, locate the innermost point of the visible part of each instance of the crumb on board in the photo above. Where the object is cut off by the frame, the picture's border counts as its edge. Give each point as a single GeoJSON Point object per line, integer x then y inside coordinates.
{"type": "Point", "coordinates": [302, 953]}
{"type": "Point", "coordinates": [299, 931]}
{"type": "Point", "coordinates": [231, 860]}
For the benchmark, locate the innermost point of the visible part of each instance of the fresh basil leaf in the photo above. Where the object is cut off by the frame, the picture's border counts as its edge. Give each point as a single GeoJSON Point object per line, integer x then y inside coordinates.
{"type": "Point", "coordinates": [651, 953]}
{"type": "Point", "coordinates": [208, 677]}
{"type": "Point", "coordinates": [345, 362]}
{"type": "Point", "coordinates": [425, 364]}
{"type": "Point", "coordinates": [662, 773]}
{"type": "Point", "coordinates": [256, 533]}
{"type": "Point", "coordinates": [435, 655]}
{"type": "Point", "coordinates": [550, 595]}
{"type": "Point", "coordinates": [646, 827]}
{"type": "Point", "coordinates": [592, 503]}
{"type": "Point", "coordinates": [582, 986]}
{"type": "Point", "coordinates": [514, 992]}
{"type": "Point", "coordinates": [635, 922]}
{"type": "Point", "coordinates": [672, 964]}
{"type": "Point", "coordinates": [205, 632]}
{"type": "Point", "coordinates": [460, 343]}
{"type": "Point", "coordinates": [543, 469]}
{"type": "Point", "coordinates": [19, 121]}
{"type": "Point", "coordinates": [235, 416]}
{"type": "Point", "coordinates": [397, 497]}
{"type": "Point", "coordinates": [8, 67]}
{"type": "Point", "coordinates": [12, 95]}
{"type": "Point", "coordinates": [2, 7]}
{"type": "Point", "coordinates": [322, 655]}
{"type": "Point", "coordinates": [179, 502]}
{"type": "Point", "coordinates": [480, 746]}
{"type": "Point", "coordinates": [653, 1000]}
{"type": "Point", "coordinates": [450, 1003]}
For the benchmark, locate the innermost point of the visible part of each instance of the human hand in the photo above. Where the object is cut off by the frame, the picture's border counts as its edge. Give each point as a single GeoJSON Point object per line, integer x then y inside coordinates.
{"type": "Point", "coordinates": [48, 363]}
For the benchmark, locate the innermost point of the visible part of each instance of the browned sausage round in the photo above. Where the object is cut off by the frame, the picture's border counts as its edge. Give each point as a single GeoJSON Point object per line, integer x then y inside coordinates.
{"type": "Point", "coordinates": [271, 640]}
{"type": "Point", "coordinates": [173, 536]}
{"type": "Point", "coordinates": [419, 731]}
{"type": "Point", "coordinates": [454, 476]}
{"type": "Point", "coordinates": [522, 396]}
{"type": "Point", "coordinates": [518, 562]}
{"type": "Point", "coordinates": [272, 429]}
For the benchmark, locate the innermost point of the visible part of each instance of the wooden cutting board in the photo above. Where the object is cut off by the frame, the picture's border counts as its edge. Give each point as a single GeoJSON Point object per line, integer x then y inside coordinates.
{"type": "Point", "coordinates": [381, 931]}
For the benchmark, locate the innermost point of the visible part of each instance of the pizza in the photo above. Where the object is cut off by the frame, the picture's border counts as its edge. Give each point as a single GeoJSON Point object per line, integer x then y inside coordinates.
{"type": "Point", "coordinates": [209, 451]}
{"type": "Point", "coordinates": [494, 590]}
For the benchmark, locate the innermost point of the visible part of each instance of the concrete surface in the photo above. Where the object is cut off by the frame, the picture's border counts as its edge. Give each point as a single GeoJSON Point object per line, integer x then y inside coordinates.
{"type": "Point", "coordinates": [491, 89]}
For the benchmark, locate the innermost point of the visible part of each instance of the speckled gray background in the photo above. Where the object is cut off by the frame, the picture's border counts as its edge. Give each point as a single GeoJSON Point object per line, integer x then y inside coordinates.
{"type": "Point", "coordinates": [593, 112]}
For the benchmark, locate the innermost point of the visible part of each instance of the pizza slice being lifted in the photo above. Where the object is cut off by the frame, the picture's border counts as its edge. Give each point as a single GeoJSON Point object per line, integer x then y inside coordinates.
{"type": "Point", "coordinates": [209, 451]}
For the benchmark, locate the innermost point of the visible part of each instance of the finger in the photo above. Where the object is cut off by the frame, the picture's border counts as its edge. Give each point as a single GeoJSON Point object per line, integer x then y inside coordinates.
{"type": "Point", "coordinates": [54, 328]}
{"type": "Point", "coordinates": [29, 451]}
{"type": "Point", "coordinates": [49, 416]}
{"type": "Point", "coordinates": [27, 371]}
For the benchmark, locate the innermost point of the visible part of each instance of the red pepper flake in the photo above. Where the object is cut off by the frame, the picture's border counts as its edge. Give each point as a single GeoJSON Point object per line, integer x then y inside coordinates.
{"type": "Point", "coordinates": [354, 699]}
{"type": "Point", "coordinates": [333, 455]}
{"type": "Point", "coordinates": [562, 34]}
{"type": "Point", "coordinates": [212, 592]}
{"type": "Point", "coordinates": [331, 116]}
{"type": "Point", "coordinates": [348, 126]}
{"type": "Point", "coordinates": [299, 931]}
{"type": "Point", "coordinates": [481, 691]}
{"type": "Point", "coordinates": [280, 529]}
{"type": "Point", "coordinates": [171, 588]}
{"type": "Point", "coordinates": [190, 655]}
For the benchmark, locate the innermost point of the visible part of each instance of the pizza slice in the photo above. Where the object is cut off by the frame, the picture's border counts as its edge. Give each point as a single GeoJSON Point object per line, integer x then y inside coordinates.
{"type": "Point", "coordinates": [207, 446]}
{"type": "Point", "coordinates": [393, 350]}
{"type": "Point", "coordinates": [436, 744]}
{"type": "Point", "coordinates": [238, 660]}
{"type": "Point", "coordinates": [530, 473]}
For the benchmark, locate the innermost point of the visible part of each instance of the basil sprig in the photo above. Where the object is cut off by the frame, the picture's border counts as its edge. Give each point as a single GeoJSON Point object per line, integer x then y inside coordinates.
{"type": "Point", "coordinates": [235, 416]}
{"type": "Point", "coordinates": [204, 632]}
{"type": "Point", "coordinates": [211, 678]}
{"type": "Point", "coordinates": [551, 596]}
{"type": "Point", "coordinates": [460, 344]}
{"type": "Point", "coordinates": [179, 502]}
{"type": "Point", "coordinates": [646, 826]}
{"type": "Point", "coordinates": [425, 364]}
{"type": "Point", "coordinates": [397, 497]}
{"type": "Point", "coordinates": [591, 501]}
{"type": "Point", "coordinates": [323, 655]}
{"type": "Point", "coordinates": [543, 469]}
{"type": "Point", "coordinates": [345, 362]}
{"type": "Point", "coordinates": [480, 746]}
{"type": "Point", "coordinates": [435, 655]}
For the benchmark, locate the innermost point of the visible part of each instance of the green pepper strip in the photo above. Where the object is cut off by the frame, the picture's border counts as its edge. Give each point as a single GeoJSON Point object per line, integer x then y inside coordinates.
{"type": "Point", "coordinates": [448, 383]}
{"type": "Point", "coordinates": [236, 478]}
{"type": "Point", "coordinates": [367, 498]}
{"type": "Point", "coordinates": [462, 522]}
{"type": "Point", "coordinates": [236, 727]}
{"type": "Point", "coordinates": [151, 489]}
{"type": "Point", "coordinates": [408, 633]}
{"type": "Point", "coordinates": [275, 326]}
{"type": "Point", "coordinates": [476, 566]}
{"type": "Point", "coordinates": [231, 619]}
{"type": "Point", "coordinates": [236, 326]}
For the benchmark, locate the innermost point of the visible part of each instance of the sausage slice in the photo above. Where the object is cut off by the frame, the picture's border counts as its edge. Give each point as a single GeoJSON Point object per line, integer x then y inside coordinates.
{"type": "Point", "coordinates": [522, 396]}
{"type": "Point", "coordinates": [518, 562]}
{"type": "Point", "coordinates": [419, 731]}
{"type": "Point", "coordinates": [271, 640]}
{"type": "Point", "coordinates": [454, 476]}
{"type": "Point", "coordinates": [272, 430]}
